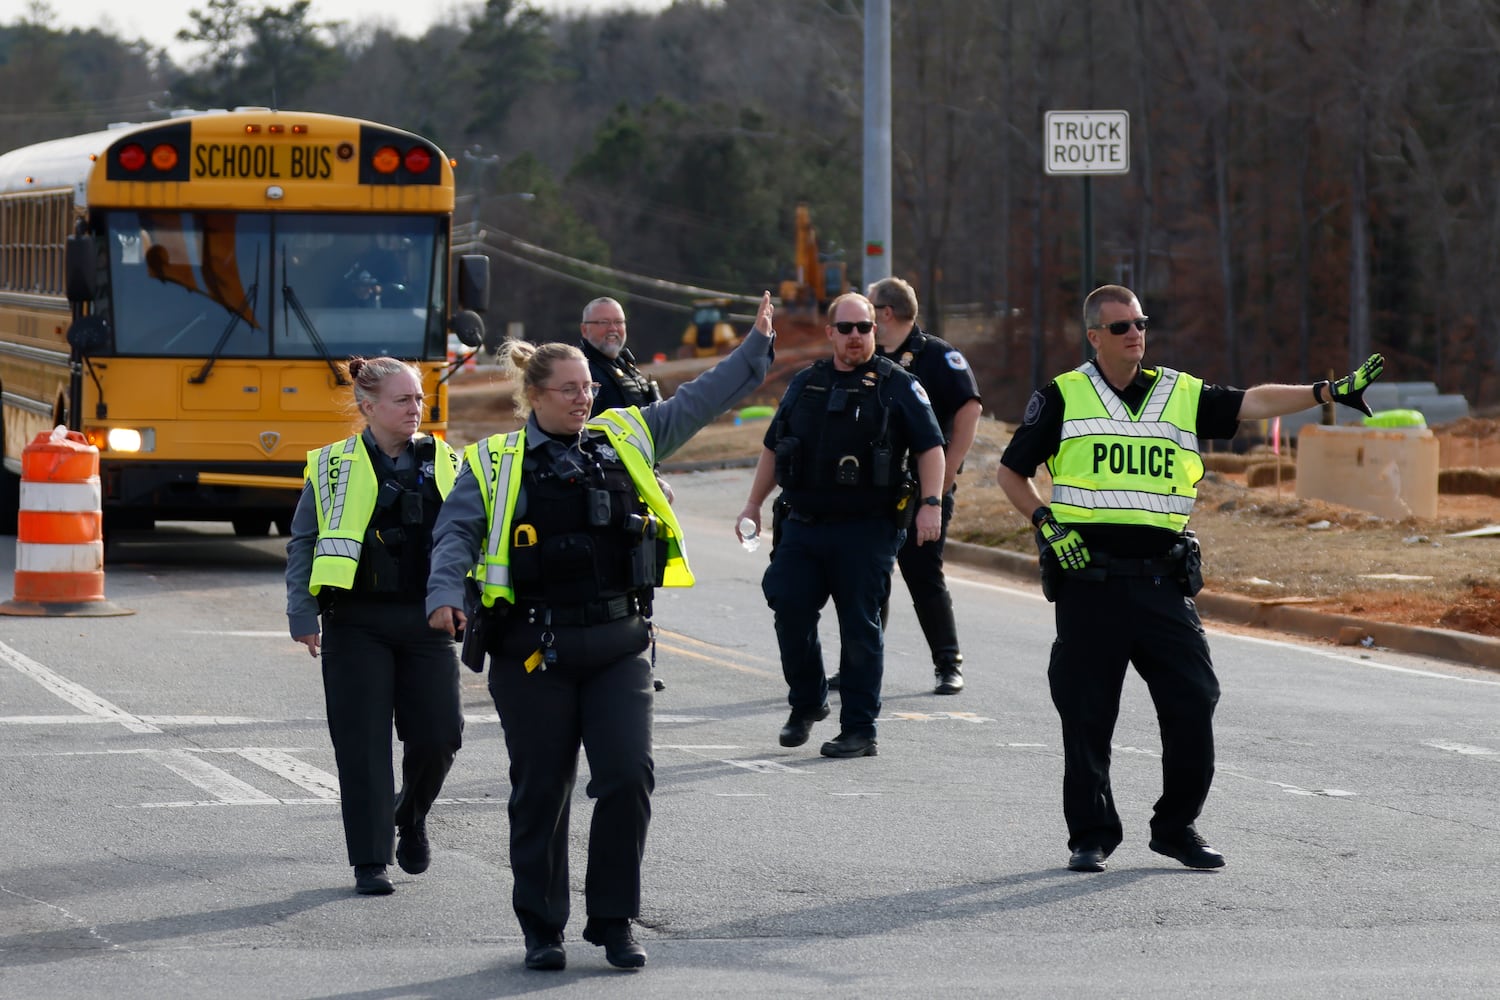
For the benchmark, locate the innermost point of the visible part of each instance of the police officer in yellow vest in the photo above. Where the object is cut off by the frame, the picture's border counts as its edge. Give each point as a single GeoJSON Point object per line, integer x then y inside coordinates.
{"type": "Point", "coordinates": [1121, 443]}
{"type": "Point", "coordinates": [358, 555]}
{"type": "Point", "coordinates": [567, 533]}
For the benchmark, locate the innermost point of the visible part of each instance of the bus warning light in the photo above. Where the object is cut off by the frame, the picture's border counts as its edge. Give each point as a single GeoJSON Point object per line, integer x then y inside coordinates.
{"type": "Point", "coordinates": [133, 156]}
{"type": "Point", "coordinates": [418, 160]}
{"type": "Point", "coordinates": [386, 160]}
{"type": "Point", "coordinates": [164, 157]}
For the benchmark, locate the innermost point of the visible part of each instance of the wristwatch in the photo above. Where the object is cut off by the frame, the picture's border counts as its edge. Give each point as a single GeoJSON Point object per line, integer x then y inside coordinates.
{"type": "Point", "coordinates": [932, 501]}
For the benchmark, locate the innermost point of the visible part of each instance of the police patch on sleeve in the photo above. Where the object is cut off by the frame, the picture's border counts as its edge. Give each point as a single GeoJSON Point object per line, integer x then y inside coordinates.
{"type": "Point", "coordinates": [921, 393]}
{"type": "Point", "coordinates": [956, 361]}
{"type": "Point", "coordinates": [1033, 408]}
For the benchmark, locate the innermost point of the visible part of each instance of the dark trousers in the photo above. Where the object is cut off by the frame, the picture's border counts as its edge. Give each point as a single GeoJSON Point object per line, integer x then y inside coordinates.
{"type": "Point", "coordinates": [1102, 626]}
{"type": "Point", "coordinates": [598, 694]}
{"type": "Point", "coordinates": [383, 661]}
{"type": "Point", "coordinates": [850, 561]}
{"type": "Point", "coordinates": [922, 570]}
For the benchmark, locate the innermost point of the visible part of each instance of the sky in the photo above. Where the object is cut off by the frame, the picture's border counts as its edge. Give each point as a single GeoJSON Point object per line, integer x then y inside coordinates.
{"type": "Point", "coordinates": [158, 21]}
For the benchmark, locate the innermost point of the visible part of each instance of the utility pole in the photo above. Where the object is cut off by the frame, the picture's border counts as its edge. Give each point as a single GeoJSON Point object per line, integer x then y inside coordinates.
{"type": "Point", "coordinates": [877, 143]}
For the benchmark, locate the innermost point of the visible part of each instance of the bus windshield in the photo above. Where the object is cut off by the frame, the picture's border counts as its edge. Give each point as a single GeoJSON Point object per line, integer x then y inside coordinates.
{"type": "Point", "coordinates": [282, 285]}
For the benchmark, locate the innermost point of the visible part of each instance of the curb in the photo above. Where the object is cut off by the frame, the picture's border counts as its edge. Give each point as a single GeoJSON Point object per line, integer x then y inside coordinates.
{"type": "Point", "coordinates": [1442, 644]}
{"type": "Point", "coordinates": [1341, 630]}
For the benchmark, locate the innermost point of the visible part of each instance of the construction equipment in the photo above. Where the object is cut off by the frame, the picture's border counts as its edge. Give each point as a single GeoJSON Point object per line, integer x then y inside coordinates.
{"type": "Point", "coordinates": [710, 333]}
{"type": "Point", "coordinates": [820, 277]}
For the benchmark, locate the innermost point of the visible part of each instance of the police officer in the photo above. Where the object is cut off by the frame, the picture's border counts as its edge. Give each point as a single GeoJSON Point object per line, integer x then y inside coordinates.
{"type": "Point", "coordinates": [949, 381]}
{"type": "Point", "coordinates": [1121, 443]}
{"type": "Point", "coordinates": [838, 447]}
{"type": "Point", "coordinates": [611, 364]}
{"type": "Point", "coordinates": [569, 534]}
{"type": "Point", "coordinates": [358, 555]}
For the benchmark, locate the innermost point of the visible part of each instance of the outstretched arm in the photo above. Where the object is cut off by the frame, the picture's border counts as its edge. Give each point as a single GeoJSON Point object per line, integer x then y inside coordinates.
{"type": "Point", "coordinates": [1277, 400]}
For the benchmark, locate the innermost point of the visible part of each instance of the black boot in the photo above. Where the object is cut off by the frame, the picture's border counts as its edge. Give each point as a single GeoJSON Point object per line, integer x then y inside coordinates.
{"type": "Point", "coordinates": [935, 615]}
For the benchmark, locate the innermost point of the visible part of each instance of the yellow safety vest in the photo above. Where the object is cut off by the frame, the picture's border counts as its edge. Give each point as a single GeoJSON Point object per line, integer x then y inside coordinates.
{"type": "Point", "coordinates": [344, 488]}
{"type": "Point", "coordinates": [497, 460]}
{"type": "Point", "coordinates": [1113, 467]}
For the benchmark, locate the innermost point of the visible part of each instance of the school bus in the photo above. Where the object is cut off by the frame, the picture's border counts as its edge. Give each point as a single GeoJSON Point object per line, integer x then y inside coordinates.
{"type": "Point", "coordinates": [183, 291]}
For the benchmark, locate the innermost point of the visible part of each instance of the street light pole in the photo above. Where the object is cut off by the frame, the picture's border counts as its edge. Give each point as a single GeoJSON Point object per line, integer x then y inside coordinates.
{"type": "Point", "coordinates": [475, 154]}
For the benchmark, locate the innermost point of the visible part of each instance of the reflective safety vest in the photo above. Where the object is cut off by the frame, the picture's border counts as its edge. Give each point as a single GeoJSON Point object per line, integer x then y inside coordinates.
{"type": "Point", "coordinates": [496, 462]}
{"type": "Point", "coordinates": [345, 488]}
{"type": "Point", "coordinates": [1115, 468]}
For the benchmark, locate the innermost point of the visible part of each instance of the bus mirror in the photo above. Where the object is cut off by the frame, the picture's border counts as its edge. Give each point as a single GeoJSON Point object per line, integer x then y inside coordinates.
{"type": "Point", "coordinates": [82, 263]}
{"type": "Point", "coordinates": [89, 334]}
{"type": "Point", "coordinates": [474, 282]}
{"type": "Point", "coordinates": [467, 327]}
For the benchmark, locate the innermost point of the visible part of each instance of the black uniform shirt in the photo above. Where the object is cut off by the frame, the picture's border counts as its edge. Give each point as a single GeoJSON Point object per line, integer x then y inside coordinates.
{"type": "Point", "coordinates": [621, 383]}
{"type": "Point", "coordinates": [1040, 433]}
{"type": "Point", "coordinates": [943, 371]}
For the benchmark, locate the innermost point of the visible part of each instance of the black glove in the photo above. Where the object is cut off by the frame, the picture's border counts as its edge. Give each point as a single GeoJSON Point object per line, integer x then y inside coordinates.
{"type": "Point", "coordinates": [1065, 543]}
{"type": "Point", "coordinates": [1350, 390]}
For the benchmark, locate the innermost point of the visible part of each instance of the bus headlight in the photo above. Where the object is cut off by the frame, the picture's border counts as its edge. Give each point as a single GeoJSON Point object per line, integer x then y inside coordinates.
{"type": "Point", "coordinates": [129, 439]}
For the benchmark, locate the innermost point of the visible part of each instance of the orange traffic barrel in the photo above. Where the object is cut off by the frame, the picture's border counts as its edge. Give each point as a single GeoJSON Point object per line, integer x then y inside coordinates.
{"type": "Point", "coordinates": [60, 531]}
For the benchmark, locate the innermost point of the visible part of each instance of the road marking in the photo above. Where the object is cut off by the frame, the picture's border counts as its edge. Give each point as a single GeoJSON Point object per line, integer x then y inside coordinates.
{"type": "Point", "coordinates": [677, 720]}
{"type": "Point", "coordinates": [934, 717]}
{"type": "Point", "coordinates": [76, 695]}
{"type": "Point", "coordinates": [215, 781]}
{"type": "Point", "coordinates": [1363, 661]}
{"type": "Point", "coordinates": [1461, 748]}
{"type": "Point", "coordinates": [298, 772]}
{"type": "Point", "coordinates": [240, 634]}
{"type": "Point", "coordinates": [763, 766]}
{"type": "Point", "coordinates": [693, 654]}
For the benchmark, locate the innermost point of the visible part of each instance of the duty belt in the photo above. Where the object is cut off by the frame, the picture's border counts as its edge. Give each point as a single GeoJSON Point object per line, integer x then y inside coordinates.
{"type": "Point", "coordinates": [592, 613]}
{"type": "Point", "coordinates": [1115, 566]}
{"type": "Point", "coordinates": [834, 518]}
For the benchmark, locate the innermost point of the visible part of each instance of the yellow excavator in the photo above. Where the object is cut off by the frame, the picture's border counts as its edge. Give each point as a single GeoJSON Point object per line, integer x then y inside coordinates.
{"type": "Point", "coordinates": [820, 277]}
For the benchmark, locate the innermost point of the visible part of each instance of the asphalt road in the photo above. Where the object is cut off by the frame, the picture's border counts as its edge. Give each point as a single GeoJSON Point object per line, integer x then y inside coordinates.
{"type": "Point", "coordinates": [170, 821]}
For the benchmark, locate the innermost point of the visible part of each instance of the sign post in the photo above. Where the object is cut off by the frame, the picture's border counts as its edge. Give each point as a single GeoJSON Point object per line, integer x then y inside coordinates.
{"type": "Point", "coordinates": [1085, 143]}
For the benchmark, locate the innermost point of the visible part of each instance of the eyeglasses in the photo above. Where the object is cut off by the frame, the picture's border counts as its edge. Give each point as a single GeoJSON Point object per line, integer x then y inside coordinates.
{"type": "Point", "coordinates": [604, 322]}
{"type": "Point", "coordinates": [1121, 327]}
{"type": "Point", "coordinates": [571, 391]}
{"type": "Point", "coordinates": [846, 328]}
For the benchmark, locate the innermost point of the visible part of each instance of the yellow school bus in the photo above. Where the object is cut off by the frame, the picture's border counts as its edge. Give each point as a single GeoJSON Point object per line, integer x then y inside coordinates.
{"type": "Point", "coordinates": [183, 291]}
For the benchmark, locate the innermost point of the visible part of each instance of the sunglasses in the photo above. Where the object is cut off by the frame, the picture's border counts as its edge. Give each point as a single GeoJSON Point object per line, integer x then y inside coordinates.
{"type": "Point", "coordinates": [846, 328]}
{"type": "Point", "coordinates": [1121, 327]}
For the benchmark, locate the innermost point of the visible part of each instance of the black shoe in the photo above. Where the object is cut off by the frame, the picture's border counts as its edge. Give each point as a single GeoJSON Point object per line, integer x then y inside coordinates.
{"type": "Point", "coordinates": [546, 956]}
{"type": "Point", "coordinates": [371, 880]}
{"type": "Point", "coordinates": [949, 680]}
{"type": "Point", "coordinates": [835, 680]}
{"type": "Point", "coordinates": [1189, 848]}
{"type": "Point", "coordinates": [1086, 859]}
{"type": "Point", "coordinates": [799, 727]}
{"type": "Point", "coordinates": [412, 851]}
{"type": "Point", "coordinates": [657, 684]}
{"type": "Point", "coordinates": [850, 745]}
{"type": "Point", "coordinates": [620, 947]}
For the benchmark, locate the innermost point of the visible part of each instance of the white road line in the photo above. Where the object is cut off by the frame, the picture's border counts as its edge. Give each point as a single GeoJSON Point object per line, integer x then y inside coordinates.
{"type": "Point", "coordinates": [1361, 661]}
{"type": "Point", "coordinates": [50, 720]}
{"type": "Point", "coordinates": [1461, 748]}
{"type": "Point", "coordinates": [74, 694]}
{"type": "Point", "coordinates": [298, 772]}
{"type": "Point", "coordinates": [762, 766]}
{"type": "Point", "coordinates": [490, 801]}
{"type": "Point", "coordinates": [217, 782]}
{"type": "Point", "coordinates": [240, 635]}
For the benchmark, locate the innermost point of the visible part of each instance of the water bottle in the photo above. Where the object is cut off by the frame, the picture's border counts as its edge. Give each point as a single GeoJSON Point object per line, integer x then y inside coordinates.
{"type": "Point", "coordinates": [750, 536]}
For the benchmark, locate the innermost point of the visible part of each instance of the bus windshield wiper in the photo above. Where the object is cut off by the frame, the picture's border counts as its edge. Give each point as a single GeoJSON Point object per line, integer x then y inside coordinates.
{"type": "Point", "coordinates": [289, 295]}
{"type": "Point", "coordinates": [247, 306]}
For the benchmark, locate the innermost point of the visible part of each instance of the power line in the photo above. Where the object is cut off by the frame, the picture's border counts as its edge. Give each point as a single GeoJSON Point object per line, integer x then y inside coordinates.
{"type": "Point", "coordinates": [658, 284]}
